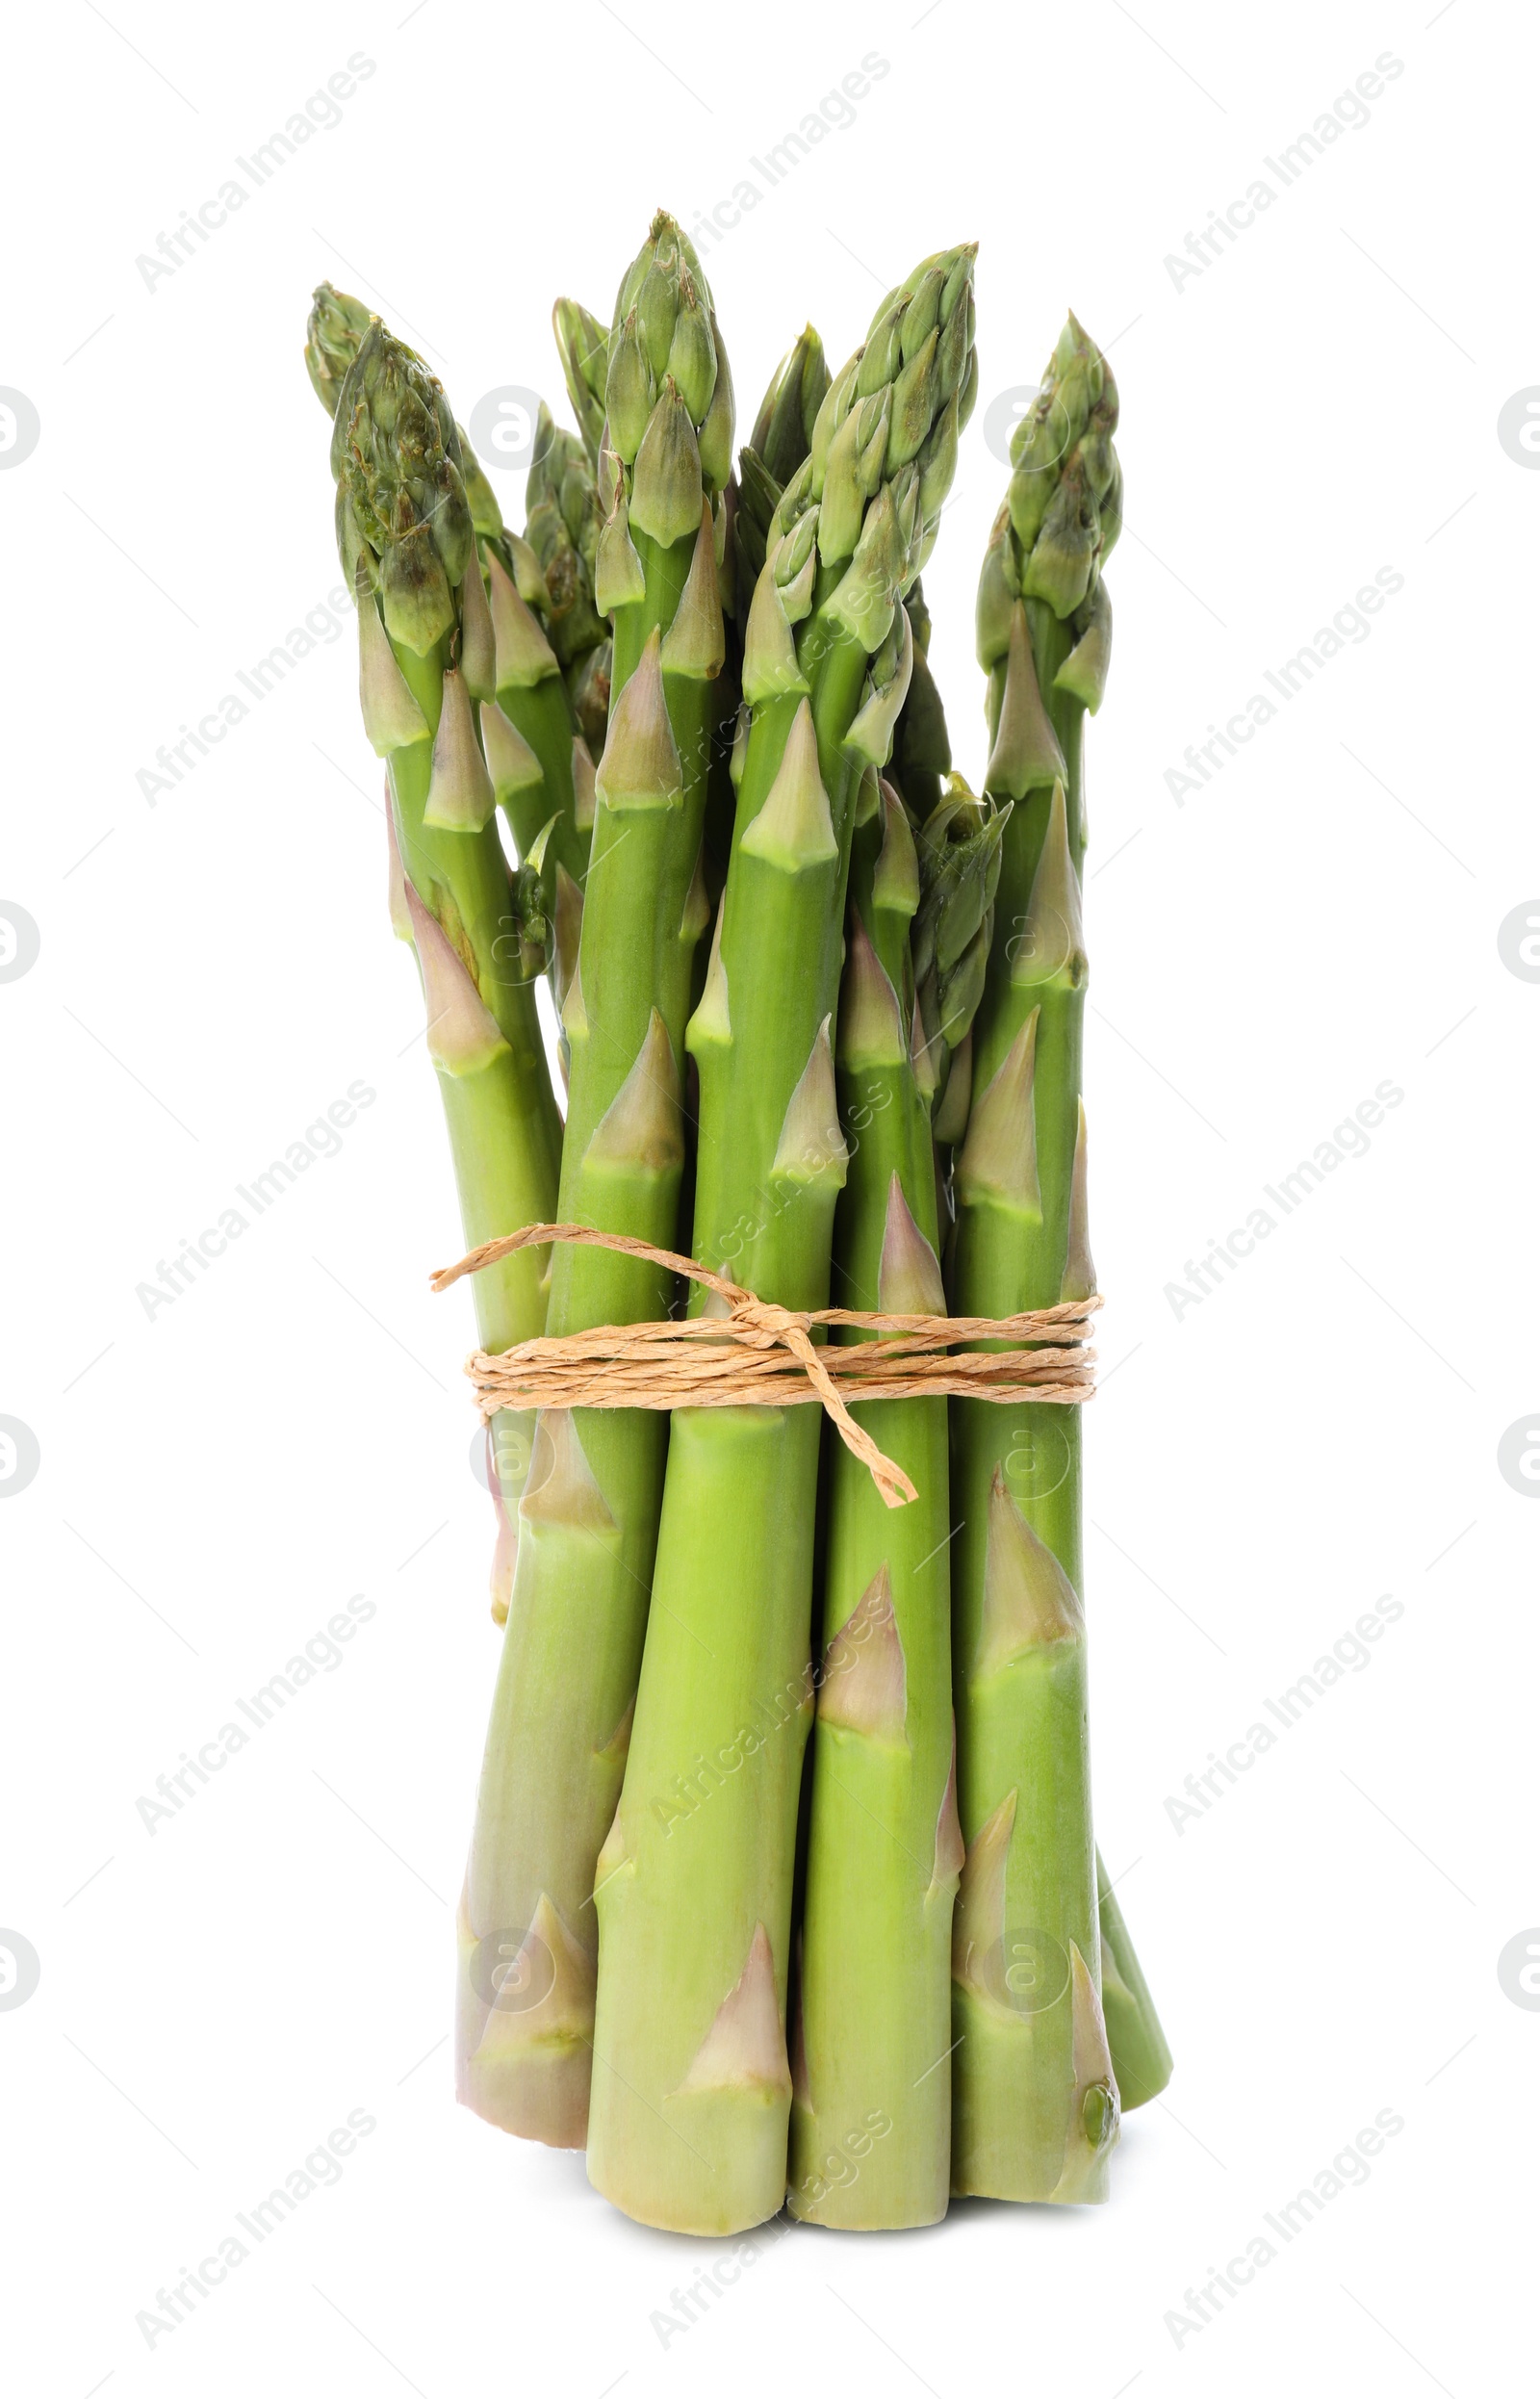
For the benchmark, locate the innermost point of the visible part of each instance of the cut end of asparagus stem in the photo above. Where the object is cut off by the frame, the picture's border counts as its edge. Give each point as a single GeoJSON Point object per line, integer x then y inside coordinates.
{"type": "Point", "coordinates": [525, 2025]}
{"type": "Point", "coordinates": [731, 2104]}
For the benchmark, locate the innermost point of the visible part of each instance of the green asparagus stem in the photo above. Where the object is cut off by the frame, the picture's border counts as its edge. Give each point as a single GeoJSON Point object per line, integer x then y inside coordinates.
{"type": "Point", "coordinates": [1142, 2062]}
{"type": "Point", "coordinates": [692, 2091]}
{"type": "Point", "coordinates": [561, 525]}
{"type": "Point", "coordinates": [556, 1746]}
{"type": "Point", "coordinates": [779, 442]}
{"type": "Point", "coordinates": [1036, 2104]}
{"type": "Point", "coordinates": [585, 347]}
{"type": "Point", "coordinates": [405, 534]}
{"type": "Point", "coordinates": [922, 746]}
{"type": "Point", "coordinates": [884, 1848]}
{"type": "Point", "coordinates": [337, 326]}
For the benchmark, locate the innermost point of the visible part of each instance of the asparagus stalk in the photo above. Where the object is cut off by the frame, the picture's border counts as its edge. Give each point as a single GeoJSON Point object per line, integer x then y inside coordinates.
{"type": "Point", "coordinates": [1142, 2062]}
{"type": "Point", "coordinates": [781, 440]}
{"type": "Point", "coordinates": [692, 2090]}
{"type": "Point", "coordinates": [1036, 2103]}
{"type": "Point", "coordinates": [922, 746]}
{"type": "Point", "coordinates": [585, 347]}
{"type": "Point", "coordinates": [408, 543]}
{"type": "Point", "coordinates": [872, 2105]}
{"type": "Point", "coordinates": [561, 525]}
{"type": "Point", "coordinates": [556, 1746]}
{"type": "Point", "coordinates": [337, 326]}
{"type": "Point", "coordinates": [778, 445]}
{"type": "Point", "coordinates": [533, 736]}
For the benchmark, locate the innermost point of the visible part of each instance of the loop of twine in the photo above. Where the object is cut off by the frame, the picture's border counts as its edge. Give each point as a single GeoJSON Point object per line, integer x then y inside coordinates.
{"type": "Point", "coordinates": [760, 1354]}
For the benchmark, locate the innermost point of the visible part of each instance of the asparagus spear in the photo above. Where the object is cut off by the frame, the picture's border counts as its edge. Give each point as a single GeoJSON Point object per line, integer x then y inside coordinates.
{"type": "Point", "coordinates": [1142, 2062]}
{"type": "Point", "coordinates": [779, 442]}
{"type": "Point", "coordinates": [333, 335]}
{"type": "Point", "coordinates": [556, 1745]}
{"type": "Point", "coordinates": [922, 747]}
{"type": "Point", "coordinates": [1036, 2103]}
{"type": "Point", "coordinates": [692, 2091]}
{"type": "Point", "coordinates": [529, 734]}
{"type": "Point", "coordinates": [585, 347]}
{"type": "Point", "coordinates": [406, 538]}
{"type": "Point", "coordinates": [872, 2109]}
{"type": "Point", "coordinates": [561, 525]}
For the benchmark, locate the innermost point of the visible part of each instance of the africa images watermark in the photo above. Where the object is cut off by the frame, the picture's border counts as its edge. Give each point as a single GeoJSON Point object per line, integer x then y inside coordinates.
{"type": "Point", "coordinates": [1349, 2169]}
{"type": "Point", "coordinates": [174, 760]}
{"type": "Point", "coordinates": [321, 1140]}
{"type": "Point", "coordinates": [1348, 1653]}
{"type": "Point", "coordinates": [323, 2166]}
{"type": "Point", "coordinates": [688, 2305]}
{"type": "Point", "coordinates": [322, 1654]}
{"type": "Point", "coordinates": [1204, 760]}
{"type": "Point", "coordinates": [322, 113]}
{"type": "Point", "coordinates": [836, 113]}
{"type": "Point", "coordinates": [1350, 1139]}
{"type": "Point", "coordinates": [1348, 113]}
{"type": "Point", "coordinates": [714, 2281]}
{"type": "Point", "coordinates": [788, 1706]}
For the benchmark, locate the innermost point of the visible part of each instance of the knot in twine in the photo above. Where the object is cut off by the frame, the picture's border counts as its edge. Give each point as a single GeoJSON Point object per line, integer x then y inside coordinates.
{"type": "Point", "coordinates": [752, 1353]}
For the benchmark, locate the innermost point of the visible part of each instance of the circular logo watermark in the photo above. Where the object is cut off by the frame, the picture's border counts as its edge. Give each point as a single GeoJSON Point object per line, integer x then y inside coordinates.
{"type": "Point", "coordinates": [1037, 1461]}
{"type": "Point", "coordinates": [1518, 1968]}
{"type": "Point", "coordinates": [19, 426]}
{"type": "Point", "coordinates": [1026, 1969]}
{"type": "Point", "coordinates": [1037, 952]}
{"type": "Point", "coordinates": [19, 940]}
{"type": "Point", "coordinates": [1519, 1456]}
{"type": "Point", "coordinates": [19, 1456]}
{"type": "Point", "coordinates": [512, 1970]}
{"type": "Point", "coordinates": [1519, 940]}
{"type": "Point", "coordinates": [499, 1454]}
{"type": "Point", "coordinates": [497, 936]}
{"type": "Point", "coordinates": [501, 426]}
{"type": "Point", "coordinates": [1519, 426]}
{"type": "Point", "coordinates": [1003, 415]}
{"type": "Point", "coordinates": [20, 1969]}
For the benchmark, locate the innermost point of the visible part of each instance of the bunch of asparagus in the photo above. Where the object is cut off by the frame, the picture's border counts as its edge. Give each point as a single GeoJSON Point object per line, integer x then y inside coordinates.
{"type": "Point", "coordinates": [697, 689]}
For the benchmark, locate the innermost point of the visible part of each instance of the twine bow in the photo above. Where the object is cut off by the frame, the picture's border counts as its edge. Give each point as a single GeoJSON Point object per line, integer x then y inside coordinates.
{"type": "Point", "coordinates": [752, 1352]}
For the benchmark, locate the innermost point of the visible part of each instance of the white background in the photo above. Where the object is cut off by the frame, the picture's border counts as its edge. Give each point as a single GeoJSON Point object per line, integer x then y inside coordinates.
{"type": "Point", "coordinates": [1320, 403]}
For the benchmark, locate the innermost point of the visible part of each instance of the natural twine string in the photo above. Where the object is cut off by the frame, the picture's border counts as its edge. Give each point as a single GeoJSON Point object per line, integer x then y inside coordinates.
{"type": "Point", "coordinates": [759, 1354]}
